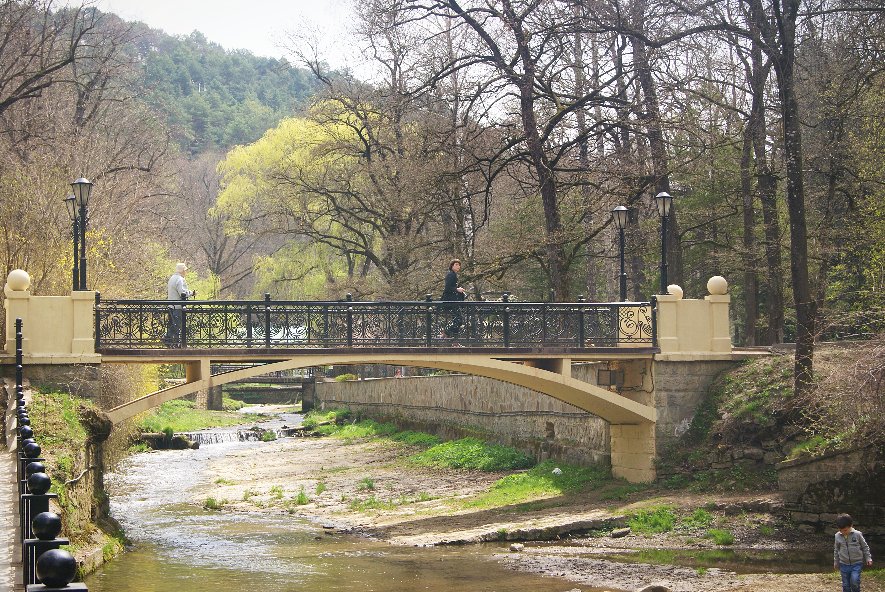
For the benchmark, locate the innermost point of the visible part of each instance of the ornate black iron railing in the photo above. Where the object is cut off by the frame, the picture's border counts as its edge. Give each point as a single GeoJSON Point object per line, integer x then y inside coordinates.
{"type": "Point", "coordinates": [267, 324]}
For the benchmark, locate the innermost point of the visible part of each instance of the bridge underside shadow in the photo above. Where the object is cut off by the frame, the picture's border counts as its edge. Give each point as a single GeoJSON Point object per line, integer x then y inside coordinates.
{"type": "Point", "coordinates": [632, 424]}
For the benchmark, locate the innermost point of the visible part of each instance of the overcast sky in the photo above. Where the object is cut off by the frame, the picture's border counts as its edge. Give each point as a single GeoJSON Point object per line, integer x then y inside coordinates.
{"type": "Point", "coordinates": [260, 26]}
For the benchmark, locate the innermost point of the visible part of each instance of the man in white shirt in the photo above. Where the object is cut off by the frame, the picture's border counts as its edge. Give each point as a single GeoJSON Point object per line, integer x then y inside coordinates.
{"type": "Point", "coordinates": [176, 289]}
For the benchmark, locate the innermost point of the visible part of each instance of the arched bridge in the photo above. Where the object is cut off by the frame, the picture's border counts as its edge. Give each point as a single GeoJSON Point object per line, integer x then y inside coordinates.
{"type": "Point", "coordinates": [528, 344]}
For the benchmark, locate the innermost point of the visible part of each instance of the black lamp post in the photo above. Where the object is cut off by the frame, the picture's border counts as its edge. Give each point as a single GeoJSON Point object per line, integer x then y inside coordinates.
{"type": "Point", "coordinates": [620, 215]}
{"type": "Point", "coordinates": [82, 188]}
{"type": "Point", "coordinates": [664, 201]}
{"type": "Point", "coordinates": [71, 205]}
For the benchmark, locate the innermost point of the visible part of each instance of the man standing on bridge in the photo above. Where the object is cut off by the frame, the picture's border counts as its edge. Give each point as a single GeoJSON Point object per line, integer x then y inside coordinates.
{"type": "Point", "coordinates": [176, 289]}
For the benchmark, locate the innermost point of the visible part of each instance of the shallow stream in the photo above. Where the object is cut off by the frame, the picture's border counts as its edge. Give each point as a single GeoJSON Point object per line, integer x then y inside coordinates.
{"type": "Point", "coordinates": [178, 546]}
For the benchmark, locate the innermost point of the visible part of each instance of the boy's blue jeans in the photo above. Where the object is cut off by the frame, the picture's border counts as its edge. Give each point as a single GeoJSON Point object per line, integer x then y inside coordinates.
{"type": "Point", "coordinates": [850, 577]}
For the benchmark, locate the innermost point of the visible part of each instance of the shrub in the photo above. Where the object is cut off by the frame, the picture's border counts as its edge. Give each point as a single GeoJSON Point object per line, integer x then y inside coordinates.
{"type": "Point", "coordinates": [347, 376]}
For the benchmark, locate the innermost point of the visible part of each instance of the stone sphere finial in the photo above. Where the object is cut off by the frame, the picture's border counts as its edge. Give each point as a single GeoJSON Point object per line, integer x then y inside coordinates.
{"type": "Point", "coordinates": [717, 285]}
{"type": "Point", "coordinates": [675, 290]}
{"type": "Point", "coordinates": [46, 525]}
{"type": "Point", "coordinates": [39, 483]}
{"type": "Point", "coordinates": [18, 280]}
{"type": "Point", "coordinates": [56, 568]}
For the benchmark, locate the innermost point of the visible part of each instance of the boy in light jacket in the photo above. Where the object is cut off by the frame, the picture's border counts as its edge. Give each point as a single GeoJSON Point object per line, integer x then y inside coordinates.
{"type": "Point", "coordinates": [850, 553]}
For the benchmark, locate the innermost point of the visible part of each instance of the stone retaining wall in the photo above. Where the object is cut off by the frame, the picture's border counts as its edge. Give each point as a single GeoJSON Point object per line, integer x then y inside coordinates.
{"type": "Point", "coordinates": [454, 406]}
{"type": "Point", "coordinates": [815, 490]}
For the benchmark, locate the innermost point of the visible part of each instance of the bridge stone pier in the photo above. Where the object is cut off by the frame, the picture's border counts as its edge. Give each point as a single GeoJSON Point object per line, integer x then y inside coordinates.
{"type": "Point", "coordinates": [653, 390]}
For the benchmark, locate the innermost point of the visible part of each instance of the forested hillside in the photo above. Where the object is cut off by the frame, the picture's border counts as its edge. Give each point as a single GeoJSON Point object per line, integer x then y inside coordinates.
{"type": "Point", "coordinates": [215, 99]}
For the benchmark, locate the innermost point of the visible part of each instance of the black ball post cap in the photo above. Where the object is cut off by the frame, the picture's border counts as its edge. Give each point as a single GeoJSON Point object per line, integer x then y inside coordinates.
{"type": "Point", "coordinates": [26, 441]}
{"type": "Point", "coordinates": [46, 525]}
{"type": "Point", "coordinates": [39, 483]}
{"type": "Point", "coordinates": [56, 568]}
{"type": "Point", "coordinates": [34, 467]}
{"type": "Point", "coordinates": [24, 420]}
{"type": "Point", "coordinates": [21, 402]}
{"type": "Point", "coordinates": [26, 432]}
{"type": "Point", "coordinates": [32, 450]}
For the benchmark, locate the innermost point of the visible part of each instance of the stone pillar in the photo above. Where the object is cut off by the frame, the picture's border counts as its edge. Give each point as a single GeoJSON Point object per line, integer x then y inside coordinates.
{"type": "Point", "coordinates": [561, 366]}
{"type": "Point", "coordinates": [17, 305]}
{"type": "Point", "coordinates": [633, 452]}
{"type": "Point", "coordinates": [214, 398]}
{"type": "Point", "coordinates": [83, 340]}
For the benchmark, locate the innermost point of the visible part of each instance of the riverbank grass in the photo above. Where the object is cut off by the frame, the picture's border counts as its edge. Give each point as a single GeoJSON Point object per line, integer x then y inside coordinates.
{"type": "Point", "coordinates": [544, 480]}
{"type": "Point", "coordinates": [183, 416]}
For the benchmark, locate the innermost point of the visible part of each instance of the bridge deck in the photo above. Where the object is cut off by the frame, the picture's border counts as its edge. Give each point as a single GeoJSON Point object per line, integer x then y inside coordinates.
{"type": "Point", "coordinates": [151, 356]}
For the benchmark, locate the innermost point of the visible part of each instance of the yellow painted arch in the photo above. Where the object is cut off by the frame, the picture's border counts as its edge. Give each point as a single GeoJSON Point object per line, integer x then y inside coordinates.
{"type": "Point", "coordinates": [609, 406]}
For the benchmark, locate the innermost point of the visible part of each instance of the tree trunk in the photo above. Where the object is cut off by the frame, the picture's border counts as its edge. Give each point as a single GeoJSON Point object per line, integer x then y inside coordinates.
{"type": "Point", "coordinates": [660, 161]}
{"type": "Point", "coordinates": [751, 312]}
{"type": "Point", "coordinates": [802, 296]}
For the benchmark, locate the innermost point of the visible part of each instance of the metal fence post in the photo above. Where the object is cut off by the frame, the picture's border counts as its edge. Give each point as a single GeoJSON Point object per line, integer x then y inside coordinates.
{"type": "Point", "coordinates": [19, 362]}
{"type": "Point", "coordinates": [183, 328]}
{"type": "Point", "coordinates": [654, 321]}
{"type": "Point", "coordinates": [506, 298]}
{"type": "Point", "coordinates": [581, 321]}
{"type": "Point", "coordinates": [267, 319]}
{"type": "Point", "coordinates": [428, 321]}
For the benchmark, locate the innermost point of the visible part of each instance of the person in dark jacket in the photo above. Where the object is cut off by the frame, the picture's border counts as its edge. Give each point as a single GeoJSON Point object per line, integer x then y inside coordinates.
{"type": "Point", "coordinates": [454, 293]}
{"type": "Point", "coordinates": [850, 553]}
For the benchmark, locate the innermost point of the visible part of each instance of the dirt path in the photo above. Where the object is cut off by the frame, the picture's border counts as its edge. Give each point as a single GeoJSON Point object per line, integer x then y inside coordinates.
{"type": "Point", "coordinates": [366, 487]}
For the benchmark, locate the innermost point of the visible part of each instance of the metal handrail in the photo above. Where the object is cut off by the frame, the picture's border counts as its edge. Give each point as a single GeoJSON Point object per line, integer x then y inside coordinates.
{"type": "Point", "coordinates": [344, 325]}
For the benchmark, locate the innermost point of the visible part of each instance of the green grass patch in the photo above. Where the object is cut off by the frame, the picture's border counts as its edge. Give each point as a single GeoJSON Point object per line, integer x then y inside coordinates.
{"type": "Point", "coordinates": [652, 520]}
{"type": "Point", "coordinates": [314, 418]}
{"type": "Point", "coordinates": [223, 481]}
{"type": "Point", "coordinates": [371, 503]}
{"type": "Point", "coordinates": [412, 438]}
{"type": "Point", "coordinates": [366, 484]}
{"type": "Point", "coordinates": [700, 518]}
{"type": "Point", "coordinates": [182, 416]}
{"type": "Point", "coordinates": [472, 453]}
{"type": "Point", "coordinates": [301, 499]}
{"type": "Point", "coordinates": [213, 504]}
{"type": "Point", "coordinates": [367, 428]}
{"type": "Point", "coordinates": [321, 487]}
{"type": "Point", "coordinates": [877, 575]}
{"type": "Point", "coordinates": [721, 537]}
{"type": "Point", "coordinates": [55, 420]}
{"type": "Point", "coordinates": [539, 481]}
{"type": "Point", "coordinates": [622, 491]}
{"type": "Point", "coordinates": [766, 530]}
{"type": "Point", "coordinates": [228, 404]}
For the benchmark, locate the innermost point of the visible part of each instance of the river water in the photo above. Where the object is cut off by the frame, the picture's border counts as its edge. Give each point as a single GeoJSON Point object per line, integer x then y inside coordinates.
{"type": "Point", "coordinates": [178, 546]}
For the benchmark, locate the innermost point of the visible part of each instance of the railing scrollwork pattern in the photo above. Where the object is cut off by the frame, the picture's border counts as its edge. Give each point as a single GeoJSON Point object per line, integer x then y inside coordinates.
{"type": "Point", "coordinates": [268, 324]}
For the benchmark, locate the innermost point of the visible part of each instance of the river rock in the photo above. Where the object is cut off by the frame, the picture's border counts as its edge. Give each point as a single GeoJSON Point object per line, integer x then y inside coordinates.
{"type": "Point", "coordinates": [517, 547]}
{"type": "Point", "coordinates": [654, 588]}
{"type": "Point", "coordinates": [620, 532]}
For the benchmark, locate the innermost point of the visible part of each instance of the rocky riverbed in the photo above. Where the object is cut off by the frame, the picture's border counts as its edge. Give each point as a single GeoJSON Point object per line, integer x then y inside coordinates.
{"type": "Point", "coordinates": [367, 487]}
